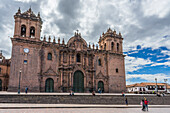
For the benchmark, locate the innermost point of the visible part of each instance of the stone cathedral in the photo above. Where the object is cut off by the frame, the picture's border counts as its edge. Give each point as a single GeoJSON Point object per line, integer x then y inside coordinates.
{"type": "Point", "coordinates": [56, 66]}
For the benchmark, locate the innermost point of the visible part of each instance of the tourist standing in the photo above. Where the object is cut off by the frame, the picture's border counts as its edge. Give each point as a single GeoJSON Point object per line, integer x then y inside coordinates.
{"type": "Point", "coordinates": [93, 93]}
{"type": "Point", "coordinates": [143, 105]}
{"type": "Point", "coordinates": [146, 104]}
{"type": "Point", "coordinates": [126, 101]}
{"type": "Point", "coordinates": [26, 89]}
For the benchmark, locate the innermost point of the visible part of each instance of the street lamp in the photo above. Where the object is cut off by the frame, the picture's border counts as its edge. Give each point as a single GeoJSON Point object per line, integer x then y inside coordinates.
{"type": "Point", "coordinates": [165, 80]}
{"type": "Point", "coordinates": [19, 81]}
{"type": "Point", "coordinates": [156, 85]}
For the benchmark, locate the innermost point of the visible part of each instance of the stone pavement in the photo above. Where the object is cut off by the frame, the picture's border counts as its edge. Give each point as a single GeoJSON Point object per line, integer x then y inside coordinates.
{"type": "Point", "coordinates": [24, 106]}
{"type": "Point", "coordinates": [86, 110]}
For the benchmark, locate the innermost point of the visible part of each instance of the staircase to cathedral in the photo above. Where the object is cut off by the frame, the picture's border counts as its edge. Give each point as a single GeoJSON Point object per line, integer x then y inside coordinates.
{"type": "Point", "coordinates": [82, 99]}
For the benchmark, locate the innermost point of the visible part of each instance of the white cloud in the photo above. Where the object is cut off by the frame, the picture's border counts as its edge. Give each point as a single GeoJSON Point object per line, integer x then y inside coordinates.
{"type": "Point", "coordinates": [156, 7]}
{"type": "Point", "coordinates": [147, 77]}
{"type": "Point", "coordinates": [162, 64]}
{"type": "Point", "coordinates": [133, 64]}
{"type": "Point", "coordinates": [27, 1]}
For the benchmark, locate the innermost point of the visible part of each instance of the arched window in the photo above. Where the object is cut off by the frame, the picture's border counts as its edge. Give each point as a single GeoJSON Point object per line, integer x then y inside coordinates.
{"type": "Point", "coordinates": [105, 46]}
{"type": "Point", "coordinates": [99, 62]}
{"type": "Point", "coordinates": [32, 32]}
{"type": "Point", "coordinates": [112, 46]}
{"type": "Point", "coordinates": [23, 31]}
{"type": "Point", "coordinates": [49, 56]}
{"type": "Point", "coordinates": [117, 47]}
{"type": "Point", "coordinates": [78, 57]}
{"type": "Point", "coordinates": [117, 70]}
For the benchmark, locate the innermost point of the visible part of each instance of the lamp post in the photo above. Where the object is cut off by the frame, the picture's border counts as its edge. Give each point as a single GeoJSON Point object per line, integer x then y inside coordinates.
{"type": "Point", "coordinates": [165, 80]}
{"type": "Point", "coordinates": [156, 85]}
{"type": "Point", "coordinates": [19, 81]}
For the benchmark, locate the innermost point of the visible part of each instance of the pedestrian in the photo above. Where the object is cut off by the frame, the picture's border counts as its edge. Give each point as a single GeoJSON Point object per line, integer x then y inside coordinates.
{"type": "Point", "coordinates": [93, 93]}
{"type": "Point", "coordinates": [126, 101]}
{"type": "Point", "coordinates": [72, 93]}
{"type": "Point", "coordinates": [99, 90]}
{"type": "Point", "coordinates": [26, 89]}
{"type": "Point", "coordinates": [143, 105]}
{"type": "Point", "coordinates": [146, 103]}
{"type": "Point", "coordinates": [123, 94]}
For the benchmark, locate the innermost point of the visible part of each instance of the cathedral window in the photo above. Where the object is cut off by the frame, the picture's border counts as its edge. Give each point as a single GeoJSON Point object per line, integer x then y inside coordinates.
{"type": "Point", "coordinates": [117, 47]}
{"type": "Point", "coordinates": [112, 46]}
{"type": "Point", "coordinates": [23, 31]}
{"type": "Point", "coordinates": [32, 32]}
{"type": "Point", "coordinates": [49, 56]}
{"type": "Point", "coordinates": [78, 57]}
{"type": "Point", "coordinates": [99, 62]}
{"type": "Point", "coordinates": [0, 69]}
{"type": "Point", "coordinates": [117, 70]}
{"type": "Point", "coordinates": [25, 61]}
{"type": "Point", "coordinates": [105, 46]}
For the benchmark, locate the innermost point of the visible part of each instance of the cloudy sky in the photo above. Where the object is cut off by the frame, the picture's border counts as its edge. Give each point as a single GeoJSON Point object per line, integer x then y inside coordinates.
{"type": "Point", "coordinates": [144, 24]}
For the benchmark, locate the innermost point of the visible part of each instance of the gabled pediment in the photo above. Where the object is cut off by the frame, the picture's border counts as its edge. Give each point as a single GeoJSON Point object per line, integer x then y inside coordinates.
{"type": "Point", "coordinates": [50, 71]}
{"type": "Point", "coordinates": [100, 75]}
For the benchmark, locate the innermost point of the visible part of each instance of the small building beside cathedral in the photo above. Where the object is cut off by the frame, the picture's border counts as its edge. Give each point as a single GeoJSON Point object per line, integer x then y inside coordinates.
{"type": "Point", "coordinates": [56, 66]}
{"type": "Point", "coordinates": [4, 72]}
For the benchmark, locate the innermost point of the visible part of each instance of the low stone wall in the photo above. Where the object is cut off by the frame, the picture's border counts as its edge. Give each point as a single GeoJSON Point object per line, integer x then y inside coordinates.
{"type": "Point", "coordinates": [83, 99]}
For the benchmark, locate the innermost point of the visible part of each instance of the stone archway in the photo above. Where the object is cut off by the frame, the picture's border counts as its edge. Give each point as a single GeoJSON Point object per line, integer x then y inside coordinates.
{"type": "Point", "coordinates": [101, 85]}
{"type": "Point", "coordinates": [49, 85]}
{"type": "Point", "coordinates": [78, 82]}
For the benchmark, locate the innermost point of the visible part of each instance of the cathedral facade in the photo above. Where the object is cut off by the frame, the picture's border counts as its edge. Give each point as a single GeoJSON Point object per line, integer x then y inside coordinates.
{"type": "Point", "coordinates": [56, 66]}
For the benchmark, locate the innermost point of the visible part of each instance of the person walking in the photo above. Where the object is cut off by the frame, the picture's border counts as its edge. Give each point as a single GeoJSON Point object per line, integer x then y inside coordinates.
{"type": "Point", "coordinates": [143, 105]}
{"type": "Point", "coordinates": [126, 101]}
{"type": "Point", "coordinates": [146, 104]}
{"type": "Point", "coordinates": [26, 89]}
{"type": "Point", "coordinates": [93, 93]}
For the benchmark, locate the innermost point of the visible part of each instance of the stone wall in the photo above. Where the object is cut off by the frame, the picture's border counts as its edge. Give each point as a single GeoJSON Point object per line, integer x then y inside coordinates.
{"type": "Point", "coordinates": [82, 99]}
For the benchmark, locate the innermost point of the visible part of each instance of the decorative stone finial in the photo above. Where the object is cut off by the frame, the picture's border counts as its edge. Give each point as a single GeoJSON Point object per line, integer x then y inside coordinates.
{"type": "Point", "coordinates": [63, 41]}
{"type": "Point", "coordinates": [44, 38]}
{"type": "Point", "coordinates": [89, 45]}
{"type": "Point", "coordinates": [93, 45]}
{"type": "Point", "coordinates": [103, 34]}
{"type": "Point", "coordinates": [114, 32]}
{"type": "Point", "coordinates": [59, 40]}
{"type": "Point", "coordinates": [49, 39]}
{"type": "Point", "coordinates": [38, 14]}
{"type": "Point", "coordinates": [19, 11]}
{"type": "Point", "coordinates": [29, 9]}
{"type": "Point", "coordinates": [97, 47]}
{"type": "Point", "coordinates": [54, 39]}
{"type": "Point", "coordinates": [120, 34]}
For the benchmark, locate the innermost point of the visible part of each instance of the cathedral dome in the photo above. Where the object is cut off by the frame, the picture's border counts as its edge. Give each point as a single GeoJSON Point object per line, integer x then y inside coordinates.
{"type": "Point", "coordinates": [77, 40]}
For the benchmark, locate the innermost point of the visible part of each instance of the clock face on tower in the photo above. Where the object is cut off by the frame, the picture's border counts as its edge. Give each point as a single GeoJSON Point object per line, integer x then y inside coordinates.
{"type": "Point", "coordinates": [26, 50]}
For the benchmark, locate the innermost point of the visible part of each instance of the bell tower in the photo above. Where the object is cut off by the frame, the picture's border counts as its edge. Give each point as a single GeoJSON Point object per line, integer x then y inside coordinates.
{"type": "Point", "coordinates": [27, 25]}
{"type": "Point", "coordinates": [110, 41]}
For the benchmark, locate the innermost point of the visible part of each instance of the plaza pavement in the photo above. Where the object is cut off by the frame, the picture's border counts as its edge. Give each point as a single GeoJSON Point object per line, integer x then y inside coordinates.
{"type": "Point", "coordinates": [26, 106]}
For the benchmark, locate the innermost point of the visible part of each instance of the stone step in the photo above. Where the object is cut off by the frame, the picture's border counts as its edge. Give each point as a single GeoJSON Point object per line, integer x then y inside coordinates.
{"type": "Point", "coordinates": [82, 99]}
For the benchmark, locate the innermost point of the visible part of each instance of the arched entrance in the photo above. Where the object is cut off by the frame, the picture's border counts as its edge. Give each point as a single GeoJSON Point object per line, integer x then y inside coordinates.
{"type": "Point", "coordinates": [0, 85]}
{"type": "Point", "coordinates": [78, 82]}
{"type": "Point", "coordinates": [49, 85]}
{"type": "Point", "coordinates": [101, 85]}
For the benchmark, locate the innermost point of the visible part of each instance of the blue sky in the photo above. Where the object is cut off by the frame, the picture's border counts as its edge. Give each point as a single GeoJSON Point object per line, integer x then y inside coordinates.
{"type": "Point", "coordinates": [144, 24]}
